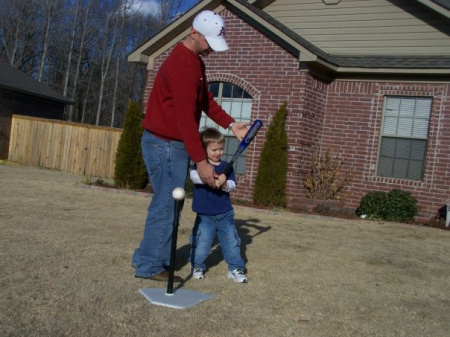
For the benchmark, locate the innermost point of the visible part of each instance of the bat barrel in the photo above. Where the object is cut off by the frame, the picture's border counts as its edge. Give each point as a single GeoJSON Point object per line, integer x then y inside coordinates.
{"type": "Point", "coordinates": [249, 136]}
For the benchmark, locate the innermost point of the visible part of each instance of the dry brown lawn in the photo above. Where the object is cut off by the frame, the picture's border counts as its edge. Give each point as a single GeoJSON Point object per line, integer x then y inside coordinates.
{"type": "Point", "coordinates": [65, 270]}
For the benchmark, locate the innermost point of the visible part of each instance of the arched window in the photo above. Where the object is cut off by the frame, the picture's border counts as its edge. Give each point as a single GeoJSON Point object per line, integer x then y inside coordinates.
{"type": "Point", "coordinates": [238, 104]}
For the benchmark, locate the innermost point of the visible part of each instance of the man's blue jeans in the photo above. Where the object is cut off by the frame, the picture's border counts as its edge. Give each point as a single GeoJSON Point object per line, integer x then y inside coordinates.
{"type": "Point", "coordinates": [167, 164]}
{"type": "Point", "coordinates": [205, 229]}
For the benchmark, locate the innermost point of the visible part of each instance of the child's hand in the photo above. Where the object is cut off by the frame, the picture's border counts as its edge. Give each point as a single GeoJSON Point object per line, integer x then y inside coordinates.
{"type": "Point", "coordinates": [221, 181]}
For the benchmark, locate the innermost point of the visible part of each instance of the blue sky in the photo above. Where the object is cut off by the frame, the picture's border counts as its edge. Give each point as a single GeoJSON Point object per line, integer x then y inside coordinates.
{"type": "Point", "coordinates": [151, 7]}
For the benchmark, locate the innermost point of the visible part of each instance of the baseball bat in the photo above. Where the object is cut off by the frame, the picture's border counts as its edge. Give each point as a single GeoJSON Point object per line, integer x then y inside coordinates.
{"type": "Point", "coordinates": [249, 136]}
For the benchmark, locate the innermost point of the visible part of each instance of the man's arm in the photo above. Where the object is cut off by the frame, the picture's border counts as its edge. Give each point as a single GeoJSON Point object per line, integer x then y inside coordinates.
{"type": "Point", "coordinates": [206, 173]}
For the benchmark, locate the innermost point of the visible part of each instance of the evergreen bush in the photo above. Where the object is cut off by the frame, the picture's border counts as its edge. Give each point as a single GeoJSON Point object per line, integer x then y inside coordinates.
{"type": "Point", "coordinates": [270, 183]}
{"type": "Point", "coordinates": [373, 205]}
{"type": "Point", "coordinates": [130, 168]}
{"type": "Point", "coordinates": [402, 206]}
{"type": "Point", "coordinates": [396, 205]}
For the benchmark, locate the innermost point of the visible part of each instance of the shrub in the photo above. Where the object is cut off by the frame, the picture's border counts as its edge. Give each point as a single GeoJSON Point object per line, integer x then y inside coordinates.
{"type": "Point", "coordinates": [130, 169]}
{"type": "Point", "coordinates": [270, 183]}
{"type": "Point", "coordinates": [402, 206]}
{"type": "Point", "coordinates": [326, 180]}
{"type": "Point", "coordinates": [373, 205]}
{"type": "Point", "coordinates": [397, 205]}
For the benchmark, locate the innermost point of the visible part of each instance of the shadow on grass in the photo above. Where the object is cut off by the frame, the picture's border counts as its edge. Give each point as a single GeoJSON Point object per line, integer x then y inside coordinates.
{"type": "Point", "coordinates": [244, 228]}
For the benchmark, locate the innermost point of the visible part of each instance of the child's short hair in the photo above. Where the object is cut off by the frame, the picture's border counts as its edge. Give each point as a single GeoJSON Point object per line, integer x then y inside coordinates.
{"type": "Point", "coordinates": [211, 135]}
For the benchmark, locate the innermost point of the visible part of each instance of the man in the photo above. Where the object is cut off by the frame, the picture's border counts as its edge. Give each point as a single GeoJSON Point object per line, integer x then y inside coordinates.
{"type": "Point", "coordinates": [171, 137]}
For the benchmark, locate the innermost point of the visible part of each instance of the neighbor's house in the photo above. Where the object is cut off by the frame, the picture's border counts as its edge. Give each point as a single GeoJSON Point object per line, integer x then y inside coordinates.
{"type": "Point", "coordinates": [367, 79]}
{"type": "Point", "coordinates": [22, 95]}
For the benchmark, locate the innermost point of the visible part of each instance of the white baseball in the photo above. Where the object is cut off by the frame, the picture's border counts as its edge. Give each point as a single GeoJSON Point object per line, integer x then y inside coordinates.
{"type": "Point", "coordinates": [178, 193]}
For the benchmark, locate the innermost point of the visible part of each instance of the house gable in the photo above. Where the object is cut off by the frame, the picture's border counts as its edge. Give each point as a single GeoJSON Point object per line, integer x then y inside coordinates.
{"type": "Point", "coordinates": [313, 56]}
{"type": "Point", "coordinates": [179, 29]}
{"type": "Point", "coordinates": [358, 27]}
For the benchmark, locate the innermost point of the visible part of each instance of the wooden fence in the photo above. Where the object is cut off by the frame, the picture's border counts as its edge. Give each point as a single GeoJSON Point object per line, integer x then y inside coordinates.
{"type": "Point", "coordinates": [65, 146]}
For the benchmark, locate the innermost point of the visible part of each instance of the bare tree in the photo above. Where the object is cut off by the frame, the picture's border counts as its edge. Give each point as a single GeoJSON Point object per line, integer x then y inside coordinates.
{"type": "Point", "coordinates": [107, 50]}
{"type": "Point", "coordinates": [50, 8]}
{"type": "Point", "coordinates": [119, 56]}
{"type": "Point", "coordinates": [72, 43]}
{"type": "Point", "coordinates": [18, 31]}
{"type": "Point", "coordinates": [79, 47]}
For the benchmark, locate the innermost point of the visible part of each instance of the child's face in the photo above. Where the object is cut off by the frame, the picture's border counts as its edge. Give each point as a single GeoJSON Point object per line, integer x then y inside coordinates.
{"type": "Point", "coordinates": [214, 151]}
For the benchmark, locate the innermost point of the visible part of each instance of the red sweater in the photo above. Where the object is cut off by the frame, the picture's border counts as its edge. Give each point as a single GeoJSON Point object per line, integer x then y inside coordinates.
{"type": "Point", "coordinates": [177, 99]}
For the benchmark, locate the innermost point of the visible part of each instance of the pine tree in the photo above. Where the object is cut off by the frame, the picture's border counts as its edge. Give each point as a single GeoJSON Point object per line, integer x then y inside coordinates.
{"type": "Point", "coordinates": [270, 184]}
{"type": "Point", "coordinates": [130, 169]}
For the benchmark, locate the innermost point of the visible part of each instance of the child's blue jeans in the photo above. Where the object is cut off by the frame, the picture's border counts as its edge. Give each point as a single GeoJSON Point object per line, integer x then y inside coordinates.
{"type": "Point", "coordinates": [203, 233]}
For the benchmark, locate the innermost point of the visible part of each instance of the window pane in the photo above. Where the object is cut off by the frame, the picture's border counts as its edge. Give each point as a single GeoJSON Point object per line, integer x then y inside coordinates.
{"type": "Point", "coordinates": [415, 170]}
{"type": "Point", "coordinates": [420, 128]}
{"type": "Point", "coordinates": [423, 108]}
{"type": "Point", "coordinates": [385, 166]}
{"type": "Point", "coordinates": [405, 127]}
{"type": "Point", "coordinates": [418, 149]}
{"type": "Point", "coordinates": [390, 126]}
{"type": "Point", "coordinates": [246, 110]}
{"type": "Point", "coordinates": [237, 92]}
{"type": "Point", "coordinates": [231, 145]}
{"type": "Point", "coordinates": [240, 165]}
{"type": "Point", "coordinates": [387, 147]}
{"type": "Point", "coordinates": [214, 88]}
{"type": "Point", "coordinates": [226, 105]}
{"type": "Point", "coordinates": [403, 148]}
{"type": "Point", "coordinates": [227, 90]}
{"type": "Point", "coordinates": [236, 109]}
{"type": "Point", "coordinates": [400, 168]}
{"type": "Point", "coordinates": [392, 106]}
{"type": "Point", "coordinates": [203, 121]}
{"type": "Point", "coordinates": [407, 107]}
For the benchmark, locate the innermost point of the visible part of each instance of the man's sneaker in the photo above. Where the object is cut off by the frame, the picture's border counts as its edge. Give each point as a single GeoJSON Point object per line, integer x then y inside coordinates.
{"type": "Point", "coordinates": [197, 273]}
{"type": "Point", "coordinates": [237, 275]}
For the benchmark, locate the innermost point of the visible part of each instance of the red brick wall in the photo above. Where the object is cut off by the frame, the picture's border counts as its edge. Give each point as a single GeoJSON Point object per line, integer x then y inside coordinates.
{"type": "Point", "coordinates": [352, 128]}
{"type": "Point", "coordinates": [343, 115]}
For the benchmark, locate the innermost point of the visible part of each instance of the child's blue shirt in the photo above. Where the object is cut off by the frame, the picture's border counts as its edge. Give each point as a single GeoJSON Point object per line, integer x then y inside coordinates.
{"type": "Point", "coordinates": [212, 201]}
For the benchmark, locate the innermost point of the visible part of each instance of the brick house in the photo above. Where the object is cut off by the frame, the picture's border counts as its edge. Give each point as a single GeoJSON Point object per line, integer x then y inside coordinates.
{"type": "Point", "coordinates": [22, 95]}
{"type": "Point", "coordinates": [367, 79]}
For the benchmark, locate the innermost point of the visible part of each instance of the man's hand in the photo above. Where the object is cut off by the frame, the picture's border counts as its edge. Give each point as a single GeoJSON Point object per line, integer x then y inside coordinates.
{"type": "Point", "coordinates": [240, 129]}
{"type": "Point", "coordinates": [206, 173]}
{"type": "Point", "coordinates": [221, 181]}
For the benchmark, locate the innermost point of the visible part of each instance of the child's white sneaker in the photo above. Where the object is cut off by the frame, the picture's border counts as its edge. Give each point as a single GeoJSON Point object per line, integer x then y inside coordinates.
{"type": "Point", "coordinates": [237, 275]}
{"type": "Point", "coordinates": [197, 273]}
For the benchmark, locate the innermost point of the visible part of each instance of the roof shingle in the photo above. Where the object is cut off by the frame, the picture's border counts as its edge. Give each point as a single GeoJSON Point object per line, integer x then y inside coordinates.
{"type": "Point", "coordinates": [16, 80]}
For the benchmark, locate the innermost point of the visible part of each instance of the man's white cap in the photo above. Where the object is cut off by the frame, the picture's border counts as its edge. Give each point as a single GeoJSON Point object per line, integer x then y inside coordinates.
{"type": "Point", "coordinates": [211, 25]}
